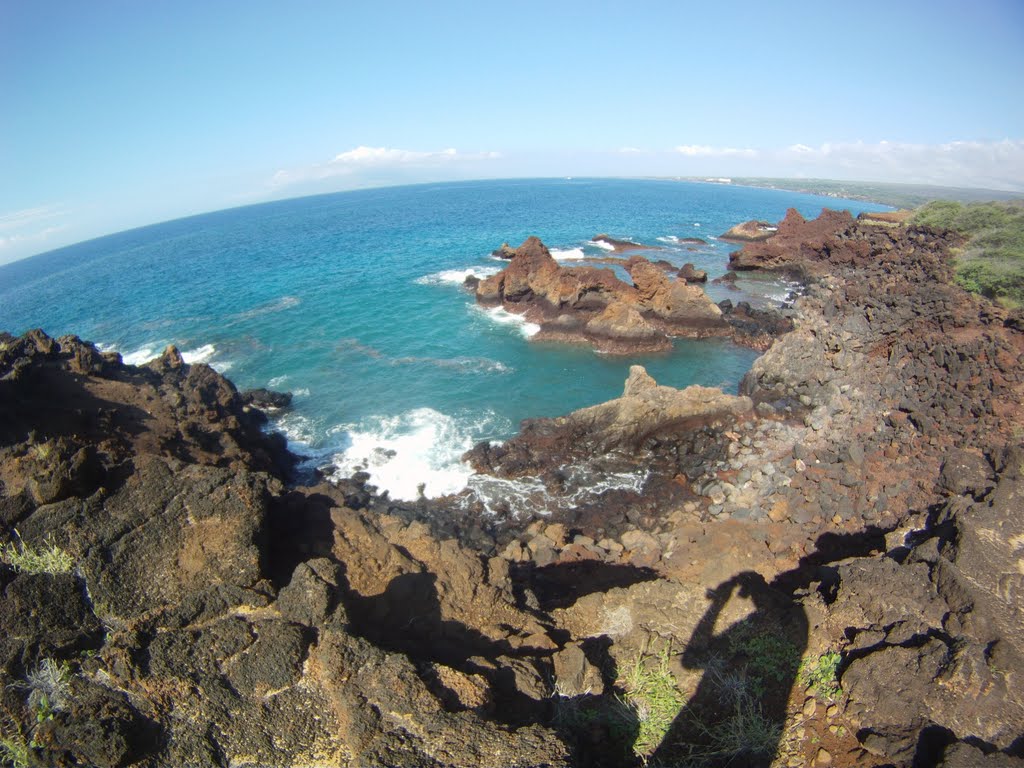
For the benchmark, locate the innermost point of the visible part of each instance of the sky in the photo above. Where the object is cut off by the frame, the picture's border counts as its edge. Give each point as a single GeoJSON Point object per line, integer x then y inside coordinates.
{"type": "Point", "coordinates": [116, 114]}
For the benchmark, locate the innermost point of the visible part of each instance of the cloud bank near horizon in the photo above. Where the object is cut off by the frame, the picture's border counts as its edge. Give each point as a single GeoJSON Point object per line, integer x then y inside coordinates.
{"type": "Point", "coordinates": [29, 228]}
{"type": "Point", "coordinates": [995, 165]}
{"type": "Point", "coordinates": [363, 159]}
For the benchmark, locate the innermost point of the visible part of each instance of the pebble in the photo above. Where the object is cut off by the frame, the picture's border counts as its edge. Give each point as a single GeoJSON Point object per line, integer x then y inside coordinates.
{"type": "Point", "coordinates": [810, 707]}
{"type": "Point", "coordinates": [832, 711]}
{"type": "Point", "coordinates": [824, 757]}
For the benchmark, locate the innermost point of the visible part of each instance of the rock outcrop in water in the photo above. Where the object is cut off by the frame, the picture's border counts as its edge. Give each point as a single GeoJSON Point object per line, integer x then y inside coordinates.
{"type": "Point", "coordinates": [858, 506]}
{"type": "Point", "coordinates": [645, 411]}
{"type": "Point", "coordinates": [622, 246]}
{"type": "Point", "coordinates": [749, 232]}
{"type": "Point", "coordinates": [592, 305]}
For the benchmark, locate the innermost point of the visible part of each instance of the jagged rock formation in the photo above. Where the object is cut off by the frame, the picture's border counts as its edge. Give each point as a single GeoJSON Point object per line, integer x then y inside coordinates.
{"type": "Point", "coordinates": [861, 496]}
{"type": "Point", "coordinates": [214, 618]}
{"type": "Point", "coordinates": [591, 305]}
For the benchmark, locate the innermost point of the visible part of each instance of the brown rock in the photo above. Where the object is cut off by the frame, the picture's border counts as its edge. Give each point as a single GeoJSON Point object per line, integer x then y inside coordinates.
{"type": "Point", "coordinates": [749, 231]}
{"type": "Point", "coordinates": [591, 305]}
{"type": "Point", "coordinates": [691, 274]}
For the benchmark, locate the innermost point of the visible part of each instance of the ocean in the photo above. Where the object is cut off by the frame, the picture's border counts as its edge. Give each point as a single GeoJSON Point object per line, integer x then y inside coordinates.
{"type": "Point", "coordinates": [354, 303]}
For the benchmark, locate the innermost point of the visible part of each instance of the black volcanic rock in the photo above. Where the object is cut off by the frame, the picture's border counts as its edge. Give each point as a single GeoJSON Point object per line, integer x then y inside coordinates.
{"type": "Point", "coordinates": [266, 399]}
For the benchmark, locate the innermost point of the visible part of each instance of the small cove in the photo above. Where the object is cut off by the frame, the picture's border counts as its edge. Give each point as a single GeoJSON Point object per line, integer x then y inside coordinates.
{"type": "Point", "coordinates": [352, 302]}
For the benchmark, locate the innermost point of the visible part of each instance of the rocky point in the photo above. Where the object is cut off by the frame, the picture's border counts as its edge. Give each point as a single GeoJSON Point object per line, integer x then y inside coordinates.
{"type": "Point", "coordinates": [833, 555]}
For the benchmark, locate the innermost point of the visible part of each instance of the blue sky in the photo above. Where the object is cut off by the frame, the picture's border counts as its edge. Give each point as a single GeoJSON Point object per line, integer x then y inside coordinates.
{"type": "Point", "coordinates": [119, 114]}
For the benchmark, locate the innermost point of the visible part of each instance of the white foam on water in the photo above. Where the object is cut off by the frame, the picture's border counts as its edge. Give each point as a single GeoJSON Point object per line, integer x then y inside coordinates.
{"type": "Point", "coordinates": [301, 392]}
{"type": "Point", "coordinates": [601, 244]}
{"type": "Point", "coordinates": [502, 316]}
{"type": "Point", "coordinates": [696, 223]}
{"type": "Point", "coordinates": [303, 434]}
{"type": "Point", "coordinates": [141, 356]}
{"type": "Point", "coordinates": [456, 276]}
{"type": "Point", "coordinates": [201, 354]}
{"type": "Point", "coordinates": [205, 354]}
{"type": "Point", "coordinates": [567, 254]}
{"type": "Point", "coordinates": [528, 496]}
{"type": "Point", "coordinates": [417, 450]}
{"type": "Point", "coordinates": [668, 239]}
{"type": "Point", "coordinates": [277, 381]}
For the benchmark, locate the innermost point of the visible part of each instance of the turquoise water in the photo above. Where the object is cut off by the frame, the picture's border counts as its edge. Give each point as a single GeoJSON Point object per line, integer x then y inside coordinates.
{"type": "Point", "coordinates": [352, 301]}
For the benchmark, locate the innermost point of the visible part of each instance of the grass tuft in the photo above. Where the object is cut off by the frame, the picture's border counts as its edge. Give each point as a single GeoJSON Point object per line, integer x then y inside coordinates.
{"type": "Point", "coordinates": [25, 558]}
{"type": "Point", "coordinates": [13, 747]}
{"type": "Point", "coordinates": [654, 698]}
{"type": "Point", "coordinates": [49, 687]}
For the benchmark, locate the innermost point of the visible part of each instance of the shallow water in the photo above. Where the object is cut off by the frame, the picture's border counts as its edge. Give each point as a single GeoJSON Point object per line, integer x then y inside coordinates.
{"type": "Point", "coordinates": [353, 302]}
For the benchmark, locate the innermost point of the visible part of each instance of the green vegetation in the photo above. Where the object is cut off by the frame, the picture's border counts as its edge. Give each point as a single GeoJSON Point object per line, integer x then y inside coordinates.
{"type": "Point", "coordinates": [744, 731]}
{"type": "Point", "coordinates": [822, 675]}
{"type": "Point", "coordinates": [738, 729]}
{"type": "Point", "coordinates": [28, 559]}
{"type": "Point", "coordinates": [992, 262]}
{"type": "Point", "coordinates": [770, 658]}
{"type": "Point", "coordinates": [654, 698]}
{"type": "Point", "coordinates": [14, 750]}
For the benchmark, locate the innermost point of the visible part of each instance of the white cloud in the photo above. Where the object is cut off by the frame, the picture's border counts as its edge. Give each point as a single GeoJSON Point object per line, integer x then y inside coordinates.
{"type": "Point", "coordinates": [980, 164]}
{"type": "Point", "coordinates": [28, 217]}
{"type": "Point", "coordinates": [387, 156]}
{"type": "Point", "coordinates": [702, 150]}
{"type": "Point", "coordinates": [364, 158]}
{"type": "Point", "coordinates": [29, 229]}
{"type": "Point", "coordinates": [990, 164]}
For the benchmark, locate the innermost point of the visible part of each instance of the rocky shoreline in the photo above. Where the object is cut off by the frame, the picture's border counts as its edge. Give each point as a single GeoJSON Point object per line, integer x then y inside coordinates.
{"type": "Point", "coordinates": [858, 502]}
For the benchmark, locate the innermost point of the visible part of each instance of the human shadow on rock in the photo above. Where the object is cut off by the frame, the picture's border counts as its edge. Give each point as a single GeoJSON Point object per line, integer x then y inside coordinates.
{"type": "Point", "coordinates": [299, 529]}
{"type": "Point", "coordinates": [406, 617]}
{"type": "Point", "coordinates": [736, 715]}
{"type": "Point", "coordinates": [559, 585]}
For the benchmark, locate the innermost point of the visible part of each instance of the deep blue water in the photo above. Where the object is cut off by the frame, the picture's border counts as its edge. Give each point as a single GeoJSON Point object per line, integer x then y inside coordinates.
{"type": "Point", "coordinates": [352, 302]}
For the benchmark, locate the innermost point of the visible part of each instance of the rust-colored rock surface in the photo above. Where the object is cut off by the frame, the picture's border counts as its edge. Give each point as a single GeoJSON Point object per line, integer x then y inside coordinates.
{"type": "Point", "coordinates": [591, 305]}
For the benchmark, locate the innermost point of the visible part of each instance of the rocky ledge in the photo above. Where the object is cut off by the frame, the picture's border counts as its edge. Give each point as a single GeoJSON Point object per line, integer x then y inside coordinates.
{"type": "Point", "coordinates": [591, 305]}
{"type": "Point", "coordinates": [828, 565]}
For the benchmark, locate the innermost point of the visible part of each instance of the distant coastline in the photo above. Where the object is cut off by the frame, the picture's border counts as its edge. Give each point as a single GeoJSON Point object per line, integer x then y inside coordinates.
{"type": "Point", "coordinates": [895, 195]}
